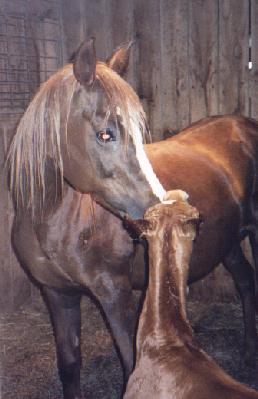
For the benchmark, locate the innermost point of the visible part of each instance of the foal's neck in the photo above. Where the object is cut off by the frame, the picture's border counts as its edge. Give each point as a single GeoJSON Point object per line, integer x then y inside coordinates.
{"type": "Point", "coordinates": [164, 315]}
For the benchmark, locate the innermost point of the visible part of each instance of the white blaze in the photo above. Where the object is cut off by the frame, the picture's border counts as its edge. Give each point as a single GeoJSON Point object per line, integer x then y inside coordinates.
{"type": "Point", "coordinates": [145, 165]}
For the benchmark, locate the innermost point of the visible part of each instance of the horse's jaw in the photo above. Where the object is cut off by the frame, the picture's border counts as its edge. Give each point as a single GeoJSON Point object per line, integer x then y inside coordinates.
{"type": "Point", "coordinates": [134, 210]}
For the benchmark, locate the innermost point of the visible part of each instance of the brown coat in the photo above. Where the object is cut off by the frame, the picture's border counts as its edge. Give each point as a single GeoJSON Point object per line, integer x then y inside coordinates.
{"type": "Point", "coordinates": [170, 363]}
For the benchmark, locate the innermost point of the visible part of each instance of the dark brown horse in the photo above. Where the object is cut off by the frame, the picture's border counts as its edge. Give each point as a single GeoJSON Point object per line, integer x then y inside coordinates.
{"type": "Point", "coordinates": [83, 131]}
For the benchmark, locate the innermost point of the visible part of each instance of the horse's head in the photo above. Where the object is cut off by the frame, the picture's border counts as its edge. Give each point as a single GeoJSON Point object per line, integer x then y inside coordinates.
{"type": "Point", "coordinates": [106, 127]}
{"type": "Point", "coordinates": [87, 125]}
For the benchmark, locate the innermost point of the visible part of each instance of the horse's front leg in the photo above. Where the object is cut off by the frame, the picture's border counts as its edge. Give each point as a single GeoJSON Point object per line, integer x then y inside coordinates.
{"type": "Point", "coordinates": [116, 298]}
{"type": "Point", "coordinates": [66, 320]}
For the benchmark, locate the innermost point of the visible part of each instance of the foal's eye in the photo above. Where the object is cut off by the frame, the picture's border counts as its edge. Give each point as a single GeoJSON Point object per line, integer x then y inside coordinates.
{"type": "Point", "coordinates": [106, 135]}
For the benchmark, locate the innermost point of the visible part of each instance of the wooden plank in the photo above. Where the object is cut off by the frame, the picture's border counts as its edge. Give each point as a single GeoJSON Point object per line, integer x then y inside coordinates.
{"type": "Point", "coordinates": [73, 26]}
{"type": "Point", "coordinates": [253, 73]}
{"type": "Point", "coordinates": [122, 30]}
{"type": "Point", "coordinates": [147, 27]}
{"type": "Point", "coordinates": [20, 284]}
{"type": "Point", "coordinates": [6, 298]}
{"type": "Point", "coordinates": [174, 89]}
{"type": "Point", "coordinates": [233, 56]}
{"type": "Point", "coordinates": [253, 96]}
{"type": "Point", "coordinates": [14, 284]}
{"type": "Point", "coordinates": [122, 22]}
{"type": "Point", "coordinates": [254, 35]}
{"type": "Point", "coordinates": [98, 24]}
{"type": "Point", "coordinates": [203, 58]}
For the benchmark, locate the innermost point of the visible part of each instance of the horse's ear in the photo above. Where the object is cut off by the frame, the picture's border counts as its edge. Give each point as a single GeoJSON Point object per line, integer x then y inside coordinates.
{"type": "Point", "coordinates": [119, 59]}
{"type": "Point", "coordinates": [84, 63]}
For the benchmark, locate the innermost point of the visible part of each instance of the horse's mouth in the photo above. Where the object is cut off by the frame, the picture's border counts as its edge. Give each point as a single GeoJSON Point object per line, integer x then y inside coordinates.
{"type": "Point", "coordinates": [131, 227]}
{"type": "Point", "coordinates": [133, 210]}
{"type": "Point", "coordinates": [123, 215]}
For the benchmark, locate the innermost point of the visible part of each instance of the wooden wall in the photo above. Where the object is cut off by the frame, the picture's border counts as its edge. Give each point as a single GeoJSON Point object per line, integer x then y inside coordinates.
{"type": "Point", "coordinates": [190, 59]}
{"type": "Point", "coordinates": [30, 50]}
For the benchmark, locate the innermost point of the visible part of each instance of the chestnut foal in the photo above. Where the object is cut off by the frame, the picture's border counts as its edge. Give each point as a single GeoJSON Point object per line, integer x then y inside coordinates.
{"type": "Point", "coordinates": [170, 363]}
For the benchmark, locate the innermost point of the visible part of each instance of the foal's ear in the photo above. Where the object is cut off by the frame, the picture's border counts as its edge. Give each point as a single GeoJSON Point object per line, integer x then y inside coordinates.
{"type": "Point", "coordinates": [119, 59]}
{"type": "Point", "coordinates": [84, 64]}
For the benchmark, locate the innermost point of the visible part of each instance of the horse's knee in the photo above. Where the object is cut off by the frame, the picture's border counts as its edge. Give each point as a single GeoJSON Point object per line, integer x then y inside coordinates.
{"type": "Point", "coordinates": [121, 311]}
{"type": "Point", "coordinates": [68, 350]}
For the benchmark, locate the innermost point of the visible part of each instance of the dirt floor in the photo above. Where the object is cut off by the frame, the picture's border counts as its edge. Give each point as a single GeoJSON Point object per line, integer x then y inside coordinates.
{"type": "Point", "coordinates": [28, 365]}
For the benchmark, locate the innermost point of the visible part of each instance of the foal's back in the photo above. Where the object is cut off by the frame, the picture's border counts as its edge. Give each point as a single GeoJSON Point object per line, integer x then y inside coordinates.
{"type": "Point", "coordinates": [183, 373]}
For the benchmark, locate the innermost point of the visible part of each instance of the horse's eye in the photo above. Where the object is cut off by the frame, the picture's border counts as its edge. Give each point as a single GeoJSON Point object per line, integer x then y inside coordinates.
{"type": "Point", "coordinates": [106, 135]}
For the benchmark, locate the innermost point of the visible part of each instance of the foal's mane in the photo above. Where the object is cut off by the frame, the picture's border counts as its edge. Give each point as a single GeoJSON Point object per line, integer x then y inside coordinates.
{"type": "Point", "coordinates": [38, 135]}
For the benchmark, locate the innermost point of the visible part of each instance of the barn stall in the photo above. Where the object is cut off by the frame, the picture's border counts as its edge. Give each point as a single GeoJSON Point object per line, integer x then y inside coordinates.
{"type": "Point", "coordinates": [190, 59]}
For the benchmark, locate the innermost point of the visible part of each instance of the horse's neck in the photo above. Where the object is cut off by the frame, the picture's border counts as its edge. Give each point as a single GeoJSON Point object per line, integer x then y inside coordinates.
{"type": "Point", "coordinates": [163, 316]}
{"type": "Point", "coordinates": [70, 208]}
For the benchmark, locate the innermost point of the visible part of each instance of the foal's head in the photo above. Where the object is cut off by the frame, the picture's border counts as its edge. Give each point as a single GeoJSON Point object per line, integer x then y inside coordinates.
{"type": "Point", "coordinates": [173, 213]}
